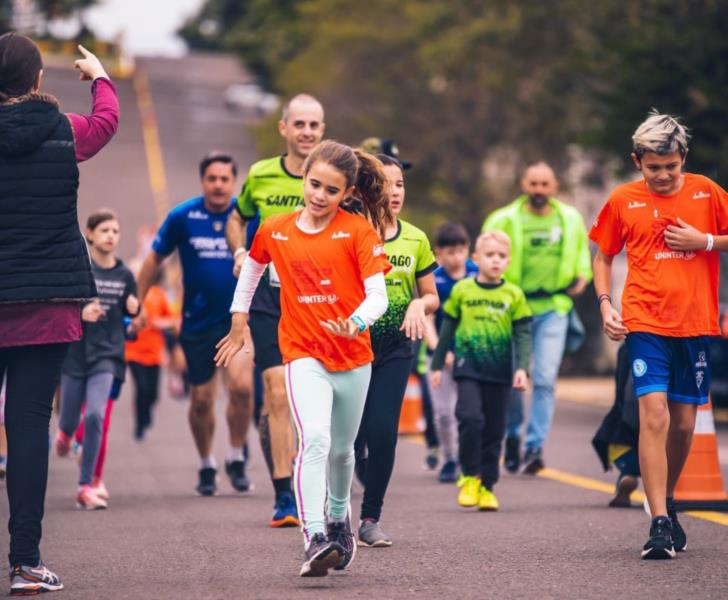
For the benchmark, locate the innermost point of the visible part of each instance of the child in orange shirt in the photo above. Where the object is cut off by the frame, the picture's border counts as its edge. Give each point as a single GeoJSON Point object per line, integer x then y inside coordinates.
{"type": "Point", "coordinates": [672, 224]}
{"type": "Point", "coordinates": [331, 266]}
{"type": "Point", "coordinates": [145, 355]}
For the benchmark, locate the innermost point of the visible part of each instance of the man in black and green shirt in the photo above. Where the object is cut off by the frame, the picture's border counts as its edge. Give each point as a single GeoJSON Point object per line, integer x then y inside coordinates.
{"type": "Point", "coordinates": [275, 186]}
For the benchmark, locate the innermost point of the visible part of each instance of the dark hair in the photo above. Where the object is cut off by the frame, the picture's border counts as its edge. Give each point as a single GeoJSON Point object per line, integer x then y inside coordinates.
{"type": "Point", "coordinates": [220, 157]}
{"type": "Point", "coordinates": [20, 63]}
{"type": "Point", "coordinates": [387, 160]}
{"type": "Point", "coordinates": [451, 234]}
{"type": "Point", "coordinates": [364, 172]}
{"type": "Point", "coordinates": [100, 216]}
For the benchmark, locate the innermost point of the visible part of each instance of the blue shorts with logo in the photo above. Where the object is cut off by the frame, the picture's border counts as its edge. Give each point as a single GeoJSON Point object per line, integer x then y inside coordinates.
{"type": "Point", "coordinates": [679, 366]}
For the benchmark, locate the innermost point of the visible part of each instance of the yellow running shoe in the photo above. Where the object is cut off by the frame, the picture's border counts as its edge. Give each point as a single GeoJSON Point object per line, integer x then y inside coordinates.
{"type": "Point", "coordinates": [487, 500]}
{"type": "Point", "coordinates": [469, 491]}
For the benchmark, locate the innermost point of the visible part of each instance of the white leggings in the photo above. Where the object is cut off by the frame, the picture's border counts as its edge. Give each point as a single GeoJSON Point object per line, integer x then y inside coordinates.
{"type": "Point", "coordinates": [327, 409]}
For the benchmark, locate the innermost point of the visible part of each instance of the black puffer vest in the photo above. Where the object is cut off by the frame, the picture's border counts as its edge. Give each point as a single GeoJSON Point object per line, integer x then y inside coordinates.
{"type": "Point", "coordinates": [42, 253]}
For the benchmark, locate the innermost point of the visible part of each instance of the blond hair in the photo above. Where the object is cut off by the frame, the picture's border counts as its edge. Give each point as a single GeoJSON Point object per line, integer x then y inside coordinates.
{"type": "Point", "coordinates": [499, 236]}
{"type": "Point", "coordinates": [660, 134]}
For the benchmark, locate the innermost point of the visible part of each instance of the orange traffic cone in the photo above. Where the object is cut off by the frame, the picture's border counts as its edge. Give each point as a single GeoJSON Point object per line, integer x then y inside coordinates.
{"type": "Point", "coordinates": [411, 420]}
{"type": "Point", "coordinates": [701, 484]}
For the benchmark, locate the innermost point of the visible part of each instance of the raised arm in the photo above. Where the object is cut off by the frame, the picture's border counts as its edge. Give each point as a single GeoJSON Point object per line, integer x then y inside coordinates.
{"type": "Point", "coordinates": [92, 132]}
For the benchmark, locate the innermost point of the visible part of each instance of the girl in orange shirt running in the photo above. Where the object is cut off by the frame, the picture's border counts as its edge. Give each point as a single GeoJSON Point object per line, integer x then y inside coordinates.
{"type": "Point", "coordinates": [331, 265]}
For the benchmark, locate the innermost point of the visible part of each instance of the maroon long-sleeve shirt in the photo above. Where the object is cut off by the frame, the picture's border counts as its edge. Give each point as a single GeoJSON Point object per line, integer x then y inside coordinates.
{"type": "Point", "coordinates": [25, 324]}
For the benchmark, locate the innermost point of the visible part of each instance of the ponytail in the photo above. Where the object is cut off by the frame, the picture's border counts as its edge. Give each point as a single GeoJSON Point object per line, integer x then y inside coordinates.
{"type": "Point", "coordinates": [364, 172]}
{"type": "Point", "coordinates": [371, 191]}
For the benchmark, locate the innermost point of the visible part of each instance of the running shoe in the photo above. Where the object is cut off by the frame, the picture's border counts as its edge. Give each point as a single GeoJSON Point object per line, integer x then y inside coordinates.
{"type": "Point", "coordinates": [340, 532]}
{"type": "Point", "coordinates": [626, 484]}
{"type": "Point", "coordinates": [678, 533]}
{"type": "Point", "coordinates": [469, 491]}
{"type": "Point", "coordinates": [487, 502]}
{"type": "Point", "coordinates": [62, 443]}
{"type": "Point", "coordinates": [285, 512]}
{"type": "Point", "coordinates": [372, 536]}
{"type": "Point", "coordinates": [449, 472]}
{"type": "Point", "coordinates": [512, 459]}
{"type": "Point", "coordinates": [660, 545]}
{"type": "Point", "coordinates": [321, 555]}
{"type": "Point", "coordinates": [29, 581]}
{"type": "Point", "coordinates": [431, 458]}
{"type": "Point", "coordinates": [236, 472]}
{"type": "Point", "coordinates": [533, 461]}
{"type": "Point", "coordinates": [207, 484]}
{"type": "Point", "coordinates": [99, 489]}
{"type": "Point", "coordinates": [88, 500]}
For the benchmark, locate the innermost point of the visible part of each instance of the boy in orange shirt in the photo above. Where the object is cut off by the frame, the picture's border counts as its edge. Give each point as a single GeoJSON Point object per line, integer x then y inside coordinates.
{"type": "Point", "coordinates": [672, 224]}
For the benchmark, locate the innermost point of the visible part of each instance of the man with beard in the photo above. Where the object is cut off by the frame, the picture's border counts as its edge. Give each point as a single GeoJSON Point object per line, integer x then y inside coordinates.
{"type": "Point", "coordinates": [550, 261]}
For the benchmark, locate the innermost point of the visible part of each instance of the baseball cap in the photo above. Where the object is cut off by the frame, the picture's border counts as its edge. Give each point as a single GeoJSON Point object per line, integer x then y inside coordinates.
{"type": "Point", "coordinates": [377, 145]}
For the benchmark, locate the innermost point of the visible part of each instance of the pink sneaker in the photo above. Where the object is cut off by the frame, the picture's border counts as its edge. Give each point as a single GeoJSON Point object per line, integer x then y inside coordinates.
{"type": "Point", "coordinates": [98, 488]}
{"type": "Point", "coordinates": [62, 443]}
{"type": "Point", "coordinates": [88, 500]}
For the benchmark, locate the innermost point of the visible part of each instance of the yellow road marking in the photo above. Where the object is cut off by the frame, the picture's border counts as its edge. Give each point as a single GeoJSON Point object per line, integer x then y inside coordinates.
{"type": "Point", "coordinates": [595, 485]}
{"type": "Point", "coordinates": [152, 145]}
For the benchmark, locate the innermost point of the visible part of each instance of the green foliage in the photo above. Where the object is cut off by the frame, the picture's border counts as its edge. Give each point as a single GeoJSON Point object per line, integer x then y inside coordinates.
{"type": "Point", "coordinates": [460, 83]}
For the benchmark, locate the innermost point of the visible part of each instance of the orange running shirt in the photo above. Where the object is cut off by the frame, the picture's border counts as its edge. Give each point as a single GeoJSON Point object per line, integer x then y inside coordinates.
{"type": "Point", "coordinates": [322, 277]}
{"type": "Point", "coordinates": [148, 348]}
{"type": "Point", "coordinates": [667, 292]}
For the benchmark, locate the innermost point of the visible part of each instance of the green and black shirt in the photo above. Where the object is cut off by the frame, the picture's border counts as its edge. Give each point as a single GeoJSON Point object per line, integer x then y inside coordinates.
{"type": "Point", "coordinates": [486, 320]}
{"type": "Point", "coordinates": [269, 189]}
{"type": "Point", "coordinates": [411, 257]}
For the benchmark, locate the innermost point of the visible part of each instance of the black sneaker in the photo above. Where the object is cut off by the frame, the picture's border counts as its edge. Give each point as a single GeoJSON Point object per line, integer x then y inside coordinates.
{"type": "Point", "coordinates": [660, 545]}
{"type": "Point", "coordinates": [321, 555]}
{"type": "Point", "coordinates": [449, 472]}
{"type": "Point", "coordinates": [626, 484]}
{"type": "Point", "coordinates": [512, 457]}
{"type": "Point", "coordinates": [678, 533]}
{"type": "Point", "coordinates": [29, 581]}
{"type": "Point", "coordinates": [533, 461]}
{"type": "Point", "coordinates": [236, 472]}
{"type": "Point", "coordinates": [432, 458]}
{"type": "Point", "coordinates": [340, 532]}
{"type": "Point", "coordinates": [207, 484]}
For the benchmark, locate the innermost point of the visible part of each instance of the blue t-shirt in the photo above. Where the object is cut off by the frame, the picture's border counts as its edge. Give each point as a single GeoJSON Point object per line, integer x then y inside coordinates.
{"type": "Point", "coordinates": [207, 263]}
{"type": "Point", "coordinates": [445, 283]}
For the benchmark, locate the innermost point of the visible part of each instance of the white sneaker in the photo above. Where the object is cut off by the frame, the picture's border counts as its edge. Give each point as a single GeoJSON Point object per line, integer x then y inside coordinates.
{"type": "Point", "coordinates": [88, 500]}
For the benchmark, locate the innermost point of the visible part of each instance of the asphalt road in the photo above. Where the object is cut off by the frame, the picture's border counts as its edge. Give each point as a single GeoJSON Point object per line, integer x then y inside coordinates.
{"type": "Point", "coordinates": [159, 540]}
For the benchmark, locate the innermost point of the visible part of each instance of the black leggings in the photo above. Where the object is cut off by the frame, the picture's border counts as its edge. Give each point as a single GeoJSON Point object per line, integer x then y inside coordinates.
{"type": "Point", "coordinates": [146, 381]}
{"type": "Point", "coordinates": [481, 415]}
{"type": "Point", "coordinates": [378, 431]}
{"type": "Point", "coordinates": [33, 372]}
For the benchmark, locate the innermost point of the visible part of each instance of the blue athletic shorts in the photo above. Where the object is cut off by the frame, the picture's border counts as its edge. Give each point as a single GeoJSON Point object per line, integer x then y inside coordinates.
{"type": "Point", "coordinates": [676, 365]}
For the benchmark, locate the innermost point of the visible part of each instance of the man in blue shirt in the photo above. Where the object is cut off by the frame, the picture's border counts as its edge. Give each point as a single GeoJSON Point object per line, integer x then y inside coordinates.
{"type": "Point", "coordinates": [196, 229]}
{"type": "Point", "coordinates": [452, 248]}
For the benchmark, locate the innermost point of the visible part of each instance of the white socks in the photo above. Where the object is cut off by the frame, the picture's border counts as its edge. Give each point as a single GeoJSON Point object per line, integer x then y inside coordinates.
{"type": "Point", "coordinates": [235, 454]}
{"type": "Point", "coordinates": [208, 462]}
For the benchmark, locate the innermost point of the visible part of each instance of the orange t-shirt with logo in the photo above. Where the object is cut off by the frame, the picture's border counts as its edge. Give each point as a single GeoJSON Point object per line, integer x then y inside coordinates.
{"type": "Point", "coordinates": [148, 348]}
{"type": "Point", "coordinates": [322, 277]}
{"type": "Point", "coordinates": [667, 292]}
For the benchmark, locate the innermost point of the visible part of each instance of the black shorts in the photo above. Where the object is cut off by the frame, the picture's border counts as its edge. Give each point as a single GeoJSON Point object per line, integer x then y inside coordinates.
{"type": "Point", "coordinates": [264, 330]}
{"type": "Point", "coordinates": [199, 349]}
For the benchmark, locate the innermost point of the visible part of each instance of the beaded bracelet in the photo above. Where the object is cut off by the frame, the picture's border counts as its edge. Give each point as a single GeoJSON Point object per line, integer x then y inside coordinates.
{"type": "Point", "coordinates": [602, 298]}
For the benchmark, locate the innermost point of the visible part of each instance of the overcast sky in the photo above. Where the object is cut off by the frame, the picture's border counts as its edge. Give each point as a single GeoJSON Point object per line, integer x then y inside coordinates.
{"type": "Point", "coordinates": [148, 25]}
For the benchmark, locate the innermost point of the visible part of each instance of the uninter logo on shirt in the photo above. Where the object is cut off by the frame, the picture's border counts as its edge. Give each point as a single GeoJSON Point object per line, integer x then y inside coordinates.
{"type": "Point", "coordinates": [210, 247]}
{"type": "Point", "coordinates": [318, 299]}
{"type": "Point", "coordinates": [281, 200]}
{"type": "Point", "coordinates": [675, 255]}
